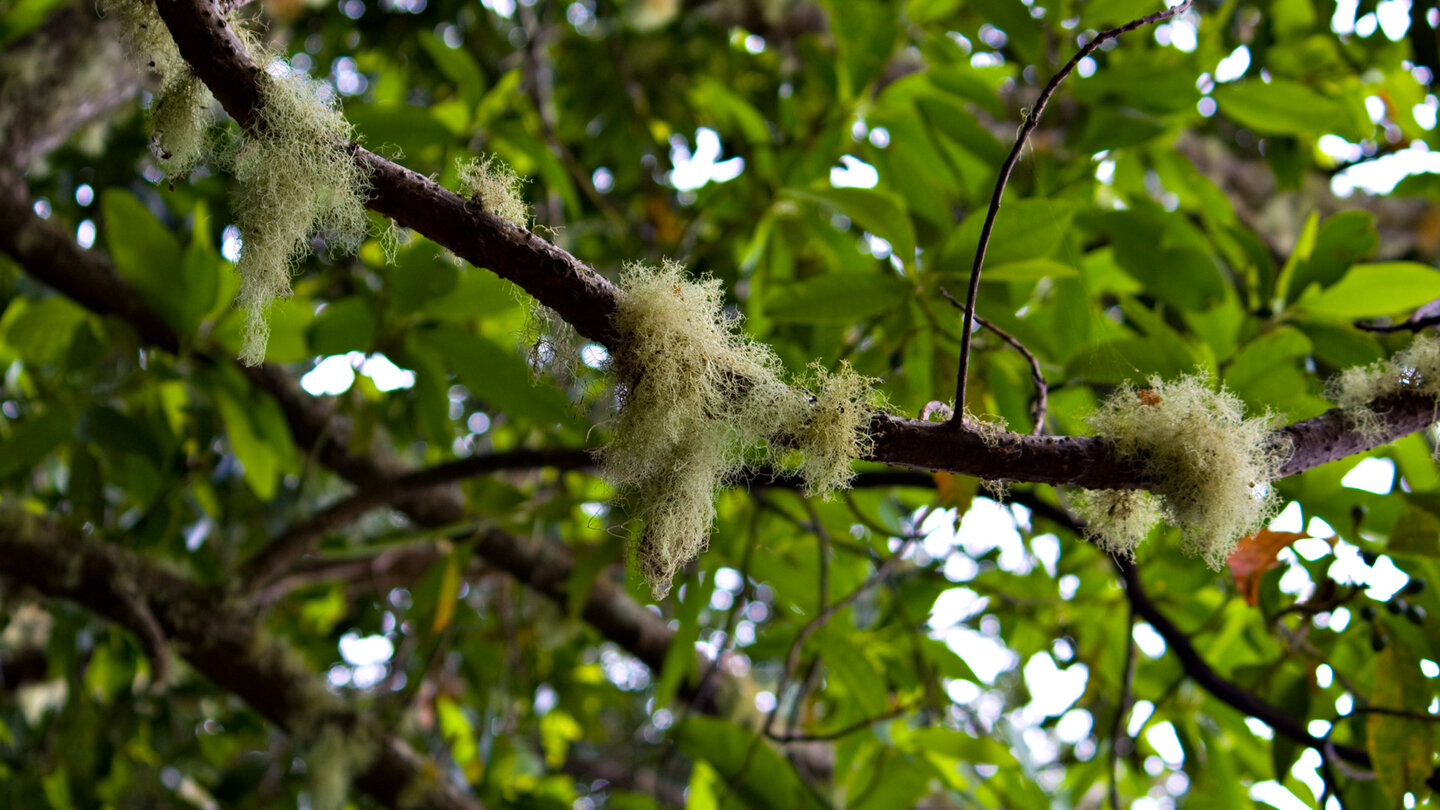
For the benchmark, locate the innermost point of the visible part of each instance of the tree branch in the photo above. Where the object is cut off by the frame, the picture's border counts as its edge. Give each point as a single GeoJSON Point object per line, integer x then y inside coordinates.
{"type": "Point", "coordinates": [219, 641]}
{"type": "Point", "coordinates": [586, 299]}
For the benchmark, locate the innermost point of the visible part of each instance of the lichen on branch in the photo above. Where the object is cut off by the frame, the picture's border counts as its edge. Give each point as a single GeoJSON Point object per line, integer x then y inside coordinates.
{"type": "Point", "coordinates": [1412, 370]}
{"type": "Point", "coordinates": [294, 179]}
{"type": "Point", "coordinates": [698, 398]}
{"type": "Point", "coordinates": [1207, 467]}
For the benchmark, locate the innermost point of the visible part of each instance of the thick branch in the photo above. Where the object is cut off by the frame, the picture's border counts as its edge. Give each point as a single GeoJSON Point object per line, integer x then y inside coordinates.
{"type": "Point", "coordinates": [76, 71]}
{"type": "Point", "coordinates": [585, 299]}
{"type": "Point", "coordinates": [218, 641]}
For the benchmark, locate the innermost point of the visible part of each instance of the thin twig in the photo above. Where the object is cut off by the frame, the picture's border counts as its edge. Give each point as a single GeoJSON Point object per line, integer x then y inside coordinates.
{"type": "Point", "coordinates": [1031, 121]}
{"type": "Point", "coordinates": [1042, 390]}
{"type": "Point", "coordinates": [792, 660]}
{"type": "Point", "coordinates": [1122, 711]}
{"type": "Point", "coordinates": [276, 559]}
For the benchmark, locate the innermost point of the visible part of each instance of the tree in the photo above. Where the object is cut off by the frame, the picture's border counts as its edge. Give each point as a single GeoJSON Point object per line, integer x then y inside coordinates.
{"type": "Point", "coordinates": [245, 584]}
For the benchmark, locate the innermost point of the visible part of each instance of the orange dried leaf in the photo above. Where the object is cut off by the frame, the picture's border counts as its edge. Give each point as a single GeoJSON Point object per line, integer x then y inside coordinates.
{"type": "Point", "coordinates": [1254, 556]}
{"type": "Point", "coordinates": [1148, 396]}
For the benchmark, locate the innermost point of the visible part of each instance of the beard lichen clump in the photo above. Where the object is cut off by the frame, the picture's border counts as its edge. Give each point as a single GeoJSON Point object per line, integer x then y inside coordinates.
{"type": "Point", "coordinates": [1209, 468]}
{"type": "Point", "coordinates": [697, 400]}
{"type": "Point", "coordinates": [835, 430]}
{"type": "Point", "coordinates": [1413, 370]}
{"type": "Point", "coordinates": [180, 115]}
{"type": "Point", "coordinates": [491, 182]}
{"type": "Point", "coordinates": [295, 178]}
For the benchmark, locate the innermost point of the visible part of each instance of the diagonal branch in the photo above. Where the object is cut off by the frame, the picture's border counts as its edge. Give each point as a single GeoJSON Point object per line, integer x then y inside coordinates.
{"type": "Point", "coordinates": [277, 558]}
{"type": "Point", "coordinates": [220, 642]}
{"type": "Point", "coordinates": [586, 299]}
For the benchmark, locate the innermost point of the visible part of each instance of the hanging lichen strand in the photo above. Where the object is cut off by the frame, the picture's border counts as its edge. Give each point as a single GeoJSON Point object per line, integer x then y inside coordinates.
{"type": "Point", "coordinates": [180, 118]}
{"type": "Point", "coordinates": [1208, 467]}
{"type": "Point", "coordinates": [699, 399]}
{"type": "Point", "coordinates": [295, 180]}
{"type": "Point", "coordinates": [294, 176]}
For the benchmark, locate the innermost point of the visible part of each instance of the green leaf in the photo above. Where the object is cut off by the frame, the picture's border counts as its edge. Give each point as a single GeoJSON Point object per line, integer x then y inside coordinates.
{"type": "Point", "coordinates": [146, 253]}
{"type": "Point", "coordinates": [33, 438]}
{"type": "Point", "coordinates": [40, 331]}
{"type": "Point", "coordinates": [498, 377]}
{"type": "Point", "coordinates": [1401, 749]}
{"type": "Point", "coordinates": [1382, 288]}
{"type": "Point", "coordinates": [1283, 107]}
{"type": "Point", "coordinates": [754, 771]}
{"type": "Point", "coordinates": [836, 298]}
{"type": "Point", "coordinates": [878, 212]}
{"type": "Point", "coordinates": [258, 461]}
{"type": "Point", "coordinates": [1024, 229]}
{"type": "Point", "coordinates": [343, 326]}
{"type": "Point", "coordinates": [1345, 238]}
{"type": "Point", "coordinates": [1029, 270]}
{"type": "Point", "coordinates": [458, 66]}
{"type": "Point", "coordinates": [1417, 532]}
{"type": "Point", "coordinates": [865, 35]}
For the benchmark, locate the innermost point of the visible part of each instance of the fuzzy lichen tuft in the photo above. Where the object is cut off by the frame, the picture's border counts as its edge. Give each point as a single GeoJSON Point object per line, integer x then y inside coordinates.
{"type": "Point", "coordinates": [180, 117]}
{"type": "Point", "coordinates": [1210, 466]}
{"type": "Point", "coordinates": [1413, 370]}
{"type": "Point", "coordinates": [1118, 519]}
{"type": "Point", "coordinates": [835, 430]}
{"type": "Point", "coordinates": [697, 400]}
{"type": "Point", "coordinates": [491, 182]}
{"type": "Point", "coordinates": [295, 178]}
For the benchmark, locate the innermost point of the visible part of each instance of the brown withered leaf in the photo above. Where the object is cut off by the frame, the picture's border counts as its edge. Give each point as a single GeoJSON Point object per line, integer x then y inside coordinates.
{"type": "Point", "coordinates": [1254, 556]}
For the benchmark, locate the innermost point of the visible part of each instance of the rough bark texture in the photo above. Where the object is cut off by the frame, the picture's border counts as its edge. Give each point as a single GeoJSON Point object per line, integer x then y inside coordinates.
{"type": "Point", "coordinates": [218, 639]}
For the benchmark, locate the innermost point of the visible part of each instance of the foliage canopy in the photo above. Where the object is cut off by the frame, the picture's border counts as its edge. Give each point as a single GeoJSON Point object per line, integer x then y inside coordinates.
{"type": "Point", "coordinates": [382, 568]}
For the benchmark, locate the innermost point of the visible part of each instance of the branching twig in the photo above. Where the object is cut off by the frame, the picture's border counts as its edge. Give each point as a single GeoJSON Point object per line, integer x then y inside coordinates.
{"type": "Point", "coordinates": [275, 559]}
{"type": "Point", "coordinates": [1031, 121]}
{"type": "Point", "coordinates": [1037, 408]}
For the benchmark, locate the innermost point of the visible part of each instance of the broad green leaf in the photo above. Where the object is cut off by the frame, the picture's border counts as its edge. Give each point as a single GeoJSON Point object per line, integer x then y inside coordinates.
{"type": "Point", "coordinates": [865, 36]}
{"type": "Point", "coordinates": [40, 331]}
{"type": "Point", "coordinates": [1416, 531]}
{"type": "Point", "coordinates": [1401, 749]}
{"type": "Point", "coordinates": [1344, 239]}
{"type": "Point", "coordinates": [878, 212]}
{"type": "Point", "coordinates": [32, 439]}
{"type": "Point", "coordinates": [1029, 270]}
{"type": "Point", "coordinates": [1282, 107]}
{"type": "Point", "coordinates": [146, 253]}
{"type": "Point", "coordinates": [836, 297]}
{"type": "Point", "coordinates": [1370, 290]}
{"type": "Point", "coordinates": [458, 66]}
{"type": "Point", "coordinates": [1024, 229]}
{"type": "Point", "coordinates": [258, 461]}
{"type": "Point", "coordinates": [346, 325]}
{"type": "Point", "coordinates": [497, 376]}
{"type": "Point", "coordinates": [754, 771]}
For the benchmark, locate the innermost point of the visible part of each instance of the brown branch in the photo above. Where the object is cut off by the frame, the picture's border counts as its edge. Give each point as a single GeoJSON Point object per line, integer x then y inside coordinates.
{"type": "Point", "coordinates": [586, 299]}
{"type": "Point", "coordinates": [76, 72]}
{"type": "Point", "coordinates": [280, 555]}
{"type": "Point", "coordinates": [957, 421]}
{"type": "Point", "coordinates": [218, 641]}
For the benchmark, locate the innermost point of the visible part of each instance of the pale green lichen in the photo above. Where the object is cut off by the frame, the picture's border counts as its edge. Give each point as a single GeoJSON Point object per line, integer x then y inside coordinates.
{"type": "Point", "coordinates": [1209, 465]}
{"type": "Point", "coordinates": [180, 116]}
{"type": "Point", "coordinates": [699, 399]}
{"type": "Point", "coordinates": [295, 179]}
{"type": "Point", "coordinates": [1118, 519]}
{"type": "Point", "coordinates": [1413, 370]}
{"type": "Point", "coordinates": [836, 429]}
{"type": "Point", "coordinates": [491, 182]}
{"type": "Point", "coordinates": [180, 124]}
